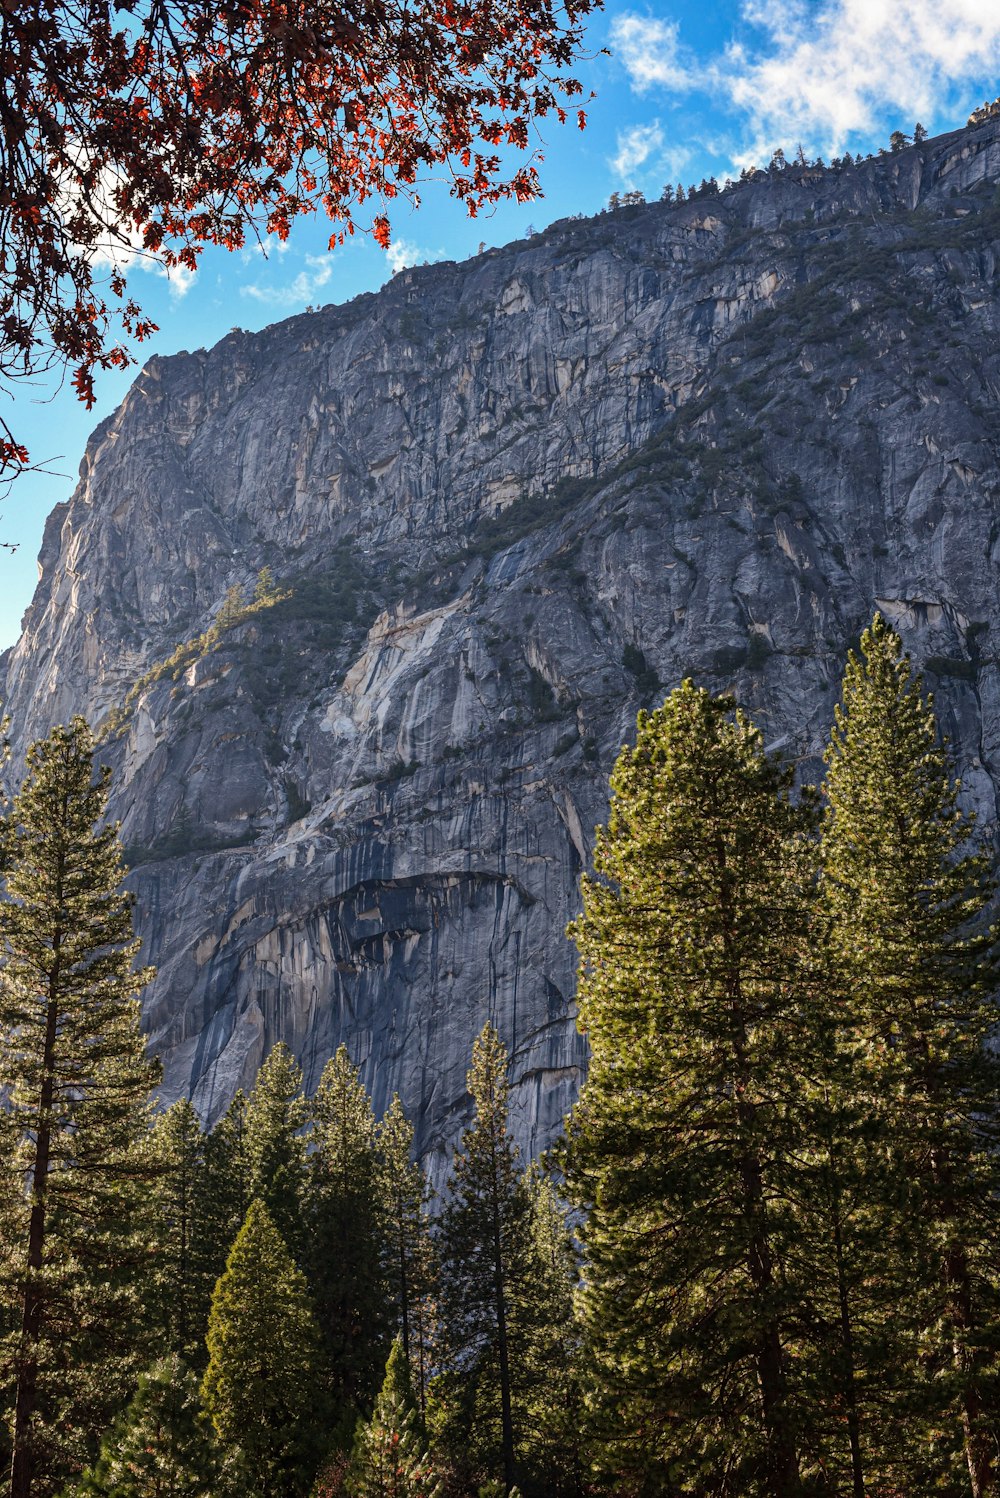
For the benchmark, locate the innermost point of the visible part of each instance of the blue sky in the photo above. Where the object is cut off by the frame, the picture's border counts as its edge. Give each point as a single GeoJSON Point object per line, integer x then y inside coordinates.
{"type": "Point", "coordinates": [690, 89]}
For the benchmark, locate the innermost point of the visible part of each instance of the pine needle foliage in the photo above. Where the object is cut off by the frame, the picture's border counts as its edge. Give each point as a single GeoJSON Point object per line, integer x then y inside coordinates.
{"type": "Point", "coordinates": [409, 1251]}
{"type": "Point", "coordinates": [162, 1446]}
{"type": "Point", "coordinates": [273, 1144]}
{"type": "Point", "coordinates": [485, 1244]}
{"type": "Point", "coordinates": [908, 891]}
{"type": "Point", "coordinates": [74, 1066]}
{"type": "Point", "coordinates": [265, 1367]}
{"type": "Point", "coordinates": [390, 1459]}
{"type": "Point", "coordinates": [699, 993]}
{"type": "Point", "coordinates": [222, 1194]}
{"type": "Point", "coordinates": [348, 1239]}
{"type": "Point", "coordinates": [182, 1286]}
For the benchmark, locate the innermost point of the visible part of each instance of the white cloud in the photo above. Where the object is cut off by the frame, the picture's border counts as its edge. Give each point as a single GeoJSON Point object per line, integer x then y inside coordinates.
{"type": "Point", "coordinates": [635, 146]}
{"type": "Point", "coordinates": [828, 73]}
{"type": "Point", "coordinates": [300, 291]}
{"type": "Point", "coordinates": [841, 69]}
{"type": "Point", "coordinates": [651, 52]}
{"type": "Point", "coordinates": [401, 253]}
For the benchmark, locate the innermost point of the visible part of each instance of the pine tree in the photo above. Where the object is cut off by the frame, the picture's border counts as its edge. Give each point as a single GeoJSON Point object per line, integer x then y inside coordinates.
{"type": "Point", "coordinates": [264, 1367]}
{"type": "Point", "coordinates": [553, 1451]}
{"type": "Point", "coordinates": [907, 891]}
{"type": "Point", "coordinates": [162, 1446]}
{"type": "Point", "coordinates": [274, 1144]}
{"type": "Point", "coordinates": [389, 1459]}
{"type": "Point", "coordinates": [222, 1194]}
{"type": "Point", "coordinates": [409, 1250]}
{"type": "Point", "coordinates": [485, 1244]}
{"type": "Point", "coordinates": [347, 1237]}
{"type": "Point", "coordinates": [699, 996]}
{"type": "Point", "coordinates": [182, 1287]}
{"type": "Point", "coordinates": [78, 1077]}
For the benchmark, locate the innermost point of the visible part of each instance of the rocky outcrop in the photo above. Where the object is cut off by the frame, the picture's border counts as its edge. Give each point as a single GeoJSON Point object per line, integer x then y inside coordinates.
{"type": "Point", "coordinates": [505, 503]}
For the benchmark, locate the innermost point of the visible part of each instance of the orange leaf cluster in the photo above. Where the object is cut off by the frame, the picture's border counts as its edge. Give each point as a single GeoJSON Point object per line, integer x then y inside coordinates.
{"type": "Point", "coordinates": [166, 125]}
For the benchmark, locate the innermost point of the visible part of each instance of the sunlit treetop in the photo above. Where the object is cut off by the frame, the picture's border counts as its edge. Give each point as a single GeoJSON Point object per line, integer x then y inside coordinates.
{"type": "Point", "coordinates": [160, 126]}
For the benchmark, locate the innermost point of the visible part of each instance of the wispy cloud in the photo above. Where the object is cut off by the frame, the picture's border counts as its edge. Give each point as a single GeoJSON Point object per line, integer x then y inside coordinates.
{"type": "Point", "coordinates": [651, 52]}
{"type": "Point", "coordinates": [827, 73]}
{"type": "Point", "coordinates": [635, 146]}
{"type": "Point", "coordinates": [839, 70]}
{"type": "Point", "coordinates": [298, 292]}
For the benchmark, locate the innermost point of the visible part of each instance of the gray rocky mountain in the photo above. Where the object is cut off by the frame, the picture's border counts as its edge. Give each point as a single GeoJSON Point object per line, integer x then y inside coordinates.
{"type": "Point", "coordinates": [505, 503]}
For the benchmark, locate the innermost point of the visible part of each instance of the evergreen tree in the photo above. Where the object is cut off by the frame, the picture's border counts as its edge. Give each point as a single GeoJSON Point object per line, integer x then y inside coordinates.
{"type": "Point", "coordinates": [409, 1250]}
{"type": "Point", "coordinates": [264, 1367]}
{"type": "Point", "coordinates": [274, 1145]}
{"type": "Point", "coordinates": [389, 1459]}
{"type": "Point", "coordinates": [182, 1288]}
{"type": "Point", "coordinates": [485, 1244]}
{"type": "Point", "coordinates": [347, 1238]}
{"type": "Point", "coordinates": [222, 1192]}
{"type": "Point", "coordinates": [553, 1452]}
{"type": "Point", "coordinates": [907, 892]}
{"type": "Point", "coordinates": [700, 998]}
{"type": "Point", "coordinates": [74, 1066]}
{"type": "Point", "coordinates": [162, 1446]}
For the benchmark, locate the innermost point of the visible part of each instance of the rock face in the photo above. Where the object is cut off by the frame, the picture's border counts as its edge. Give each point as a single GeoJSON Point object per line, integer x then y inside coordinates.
{"type": "Point", "coordinates": [508, 502]}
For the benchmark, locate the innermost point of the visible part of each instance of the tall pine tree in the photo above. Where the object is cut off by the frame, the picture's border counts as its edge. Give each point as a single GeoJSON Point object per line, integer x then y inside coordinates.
{"type": "Point", "coordinates": [907, 891]}
{"type": "Point", "coordinates": [347, 1238]}
{"type": "Point", "coordinates": [182, 1286]}
{"type": "Point", "coordinates": [408, 1247]}
{"type": "Point", "coordinates": [700, 998]}
{"type": "Point", "coordinates": [485, 1244]}
{"type": "Point", "coordinates": [222, 1194]}
{"type": "Point", "coordinates": [75, 1067]}
{"type": "Point", "coordinates": [264, 1376]}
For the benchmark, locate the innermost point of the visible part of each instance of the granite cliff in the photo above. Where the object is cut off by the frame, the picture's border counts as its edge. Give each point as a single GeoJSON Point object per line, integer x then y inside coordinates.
{"type": "Point", "coordinates": [505, 504]}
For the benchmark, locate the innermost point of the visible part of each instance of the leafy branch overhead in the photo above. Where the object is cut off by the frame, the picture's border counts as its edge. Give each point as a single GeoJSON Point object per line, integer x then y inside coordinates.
{"type": "Point", "coordinates": [156, 127]}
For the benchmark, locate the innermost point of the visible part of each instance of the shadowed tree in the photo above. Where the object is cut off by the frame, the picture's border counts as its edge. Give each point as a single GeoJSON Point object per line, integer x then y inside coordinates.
{"type": "Point", "coordinates": [77, 1075]}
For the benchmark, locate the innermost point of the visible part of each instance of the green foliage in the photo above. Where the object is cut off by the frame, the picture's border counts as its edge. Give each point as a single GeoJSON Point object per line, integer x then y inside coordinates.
{"type": "Point", "coordinates": [162, 1446]}
{"type": "Point", "coordinates": [347, 1236]}
{"type": "Point", "coordinates": [274, 1146]}
{"type": "Point", "coordinates": [75, 1130]}
{"type": "Point", "coordinates": [222, 1194]}
{"type": "Point", "coordinates": [907, 890]}
{"type": "Point", "coordinates": [182, 1284]}
{"type": "Point", "coordinates": [389, 1459]}
{"type": "Point", "coordinates": [701, 999]}
{"type": "Point", "coordinates": [264, 1372]}
{"type": "Point", "coordinates": [408, 1252]}
{"type": "Point", "coordinates": [485, 1243]}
